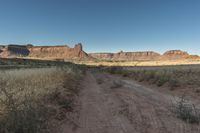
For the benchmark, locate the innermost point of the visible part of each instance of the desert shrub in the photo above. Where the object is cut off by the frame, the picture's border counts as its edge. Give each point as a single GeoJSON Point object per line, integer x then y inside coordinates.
{"type": "Point", "coordinates": [135, 75]}
{"type": "Point", "coordinates": [174, 76]}
{"type": "Point", "coordinates": [149, 75]}
{"type": "Point", "coordinates": [197, 90]}
{"type": "Point", "coordinates": [186, 111]}
{"type": "Point", "coordinates": [114, 70]}
{"type": "Point", "coordinates": [173, 83]}
{"type": "Point", "coordinates": [139, 76]}
{"type": "Point", "coordinates": [27, 95]}
{"type": "Point", "coordinates": [117, 84]}
{"type": "Point", "coordinates": [99, 80]}
{"type": "Point", "coordinates": [162, 79]}
{"type": "Point", "coordinates": [126, 73]}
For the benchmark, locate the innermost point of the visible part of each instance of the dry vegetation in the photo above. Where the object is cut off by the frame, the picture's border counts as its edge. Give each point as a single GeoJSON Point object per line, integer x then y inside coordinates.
{"type": "Point", "coordinates": [176, 77]}
{"type": "Point", "coordinates": [34, 100]}
{"type": "Point", "coordinates": [185, 110]}
{"type": "Point", "coordinates": [173, 77]}
{"type": "Point", "coordinates": [139, 62]}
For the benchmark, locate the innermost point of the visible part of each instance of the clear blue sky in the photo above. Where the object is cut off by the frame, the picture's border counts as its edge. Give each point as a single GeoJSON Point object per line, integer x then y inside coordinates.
{"type": "Point", "coordinates": [103, 25]}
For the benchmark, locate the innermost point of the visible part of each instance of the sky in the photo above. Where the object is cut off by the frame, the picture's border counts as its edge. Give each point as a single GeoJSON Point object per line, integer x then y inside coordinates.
{"type": "Point", "coordinates": [103, 25]}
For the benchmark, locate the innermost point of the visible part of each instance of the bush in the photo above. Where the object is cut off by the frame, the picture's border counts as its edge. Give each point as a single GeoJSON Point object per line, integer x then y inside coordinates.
{"type": "Point", "coordinates": [99, 80]}
{"type": "Point", "coordinates": [114, 70]}
{"type": "Point", "coordinates": [30, 98]}
{"type": "Point", "coordinates": [173, 83]}
{"type": "Point", "coordinates": [162, 80]}
{"type": "Point", "coordinates": [175, 76]}
{"type": "Point", "coordinates": [117, 84]}
{"type": "Point", "coordinates": [186, 111]}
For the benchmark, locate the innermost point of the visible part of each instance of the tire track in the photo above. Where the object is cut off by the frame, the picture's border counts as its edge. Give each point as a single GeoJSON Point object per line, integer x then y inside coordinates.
{"type": "Point", "coordinates": [150, 109]}
{"type": "Point", "coordinates": [130, 108]}
{"type": "Point", "coordinates": [96, 114]}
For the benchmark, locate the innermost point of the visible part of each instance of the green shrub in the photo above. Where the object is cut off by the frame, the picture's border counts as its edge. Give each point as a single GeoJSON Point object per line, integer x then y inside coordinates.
{"type": "Point", "coordinates": [162, 80]}
{"type": "Point", "coordinates": [173, 83]}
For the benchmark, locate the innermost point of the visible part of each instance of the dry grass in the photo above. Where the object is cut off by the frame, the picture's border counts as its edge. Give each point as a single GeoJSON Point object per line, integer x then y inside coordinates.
{"type": "Point", "coordinates": [186, 111]}
{"type": "Point", "coordinates": [140, 63]}
{"type": "Point", "coordinates": [173, 77]}
{"type": "Point", "coordinates": [30, 99]}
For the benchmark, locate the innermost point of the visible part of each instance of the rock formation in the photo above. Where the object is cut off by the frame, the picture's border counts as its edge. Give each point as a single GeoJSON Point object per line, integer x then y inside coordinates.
{"type": "Point", "coordinates": [146, 55]}
{"type": "Point", "coordinates": [102, 56]}
{"type": "Point", "coordinates": [13, 50]}
{"type": "Point", "coordinates": [48, 52]}
{"type": "Point", "coordinates": [77, 53]}
{"type": "Point", "coordinates": [58, 52]}
{"type": "Point", "coordinates": [175, 54]}
{"type": "Point", "coordinates": [127, 56]}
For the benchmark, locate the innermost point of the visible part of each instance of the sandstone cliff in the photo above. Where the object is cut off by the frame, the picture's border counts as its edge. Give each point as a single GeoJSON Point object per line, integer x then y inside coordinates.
{"type": "Point", "coordinates": [48, 52]}
{"type": "Point", "coordinates": [58, 52]}
{"type": "Point", "coordinates": [126, 56]}
{"type": "Point", "coordinates": [77, 53]}
{"type": "Point", "coordinates": [102, 56]}
{"type": "Point", "coordinates": [175, 54]}
{"type": "Point", "coordinates": [13, 51]}
{"type": "Point", "coordinates": [146, 55]}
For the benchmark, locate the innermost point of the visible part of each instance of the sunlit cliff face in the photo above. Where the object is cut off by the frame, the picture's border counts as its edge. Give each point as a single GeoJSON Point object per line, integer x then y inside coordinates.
{"type": "Point", "coordinates": [146, 55]}
{"type": "Point", "coordinates": [58, 52]}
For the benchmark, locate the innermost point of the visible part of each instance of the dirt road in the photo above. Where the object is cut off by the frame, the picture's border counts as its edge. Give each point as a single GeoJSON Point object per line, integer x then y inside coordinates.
{"type": "Point", "coordinates": [127, 108]}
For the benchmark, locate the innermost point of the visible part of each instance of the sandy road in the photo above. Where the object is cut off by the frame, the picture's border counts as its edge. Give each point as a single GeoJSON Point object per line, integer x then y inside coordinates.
{"type": "Point", "coordinates": [131, 108]}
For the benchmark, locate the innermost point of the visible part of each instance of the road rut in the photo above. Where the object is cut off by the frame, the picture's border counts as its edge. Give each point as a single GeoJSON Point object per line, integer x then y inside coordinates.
{"type": "Point", "coordinates": [130, 108]}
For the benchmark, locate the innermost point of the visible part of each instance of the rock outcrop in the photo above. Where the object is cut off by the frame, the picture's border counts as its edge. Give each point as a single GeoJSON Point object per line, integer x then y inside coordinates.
{"type": "Point", "coordinates": [48, 52]}
{"type": "Point", "coordinates": [146, 55]}
{"type": "Point", "coordinates": [102, 56]}
{"type": "Point", "coordinates": [58, 52]}
{"type": "Point", "coordinates": [77, 53]}
{"type": "Point", "coordinates": [175, 54]}
{"type": "Point", "coordinates": [126, 56]}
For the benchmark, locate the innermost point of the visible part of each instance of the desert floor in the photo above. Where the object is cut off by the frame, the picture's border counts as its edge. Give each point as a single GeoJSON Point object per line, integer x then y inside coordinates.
{"type": "Point", "coordinates": [104, 106]}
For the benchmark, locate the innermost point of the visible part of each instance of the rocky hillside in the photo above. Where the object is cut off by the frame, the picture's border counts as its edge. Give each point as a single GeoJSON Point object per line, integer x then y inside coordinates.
{"type": "Point", "coordinates": [48, 52]}
{"type": "Point", "coordinates": [146, 55]}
